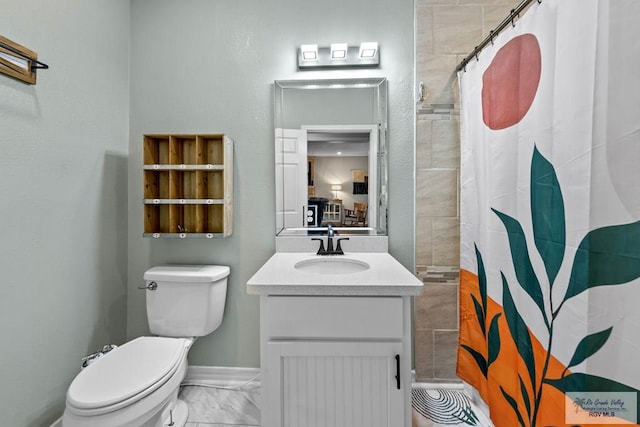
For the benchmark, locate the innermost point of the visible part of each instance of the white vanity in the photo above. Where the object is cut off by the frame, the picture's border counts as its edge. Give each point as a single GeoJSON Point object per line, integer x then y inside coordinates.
{"type": "Point", "coordinates": [335, 330]}
{"type": "Point", "coordinates": [335, 339]}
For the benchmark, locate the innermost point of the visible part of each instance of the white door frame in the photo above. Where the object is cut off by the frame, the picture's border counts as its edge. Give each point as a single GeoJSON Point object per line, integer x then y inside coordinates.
{"type": "Point", "coordinates": [372, 202]}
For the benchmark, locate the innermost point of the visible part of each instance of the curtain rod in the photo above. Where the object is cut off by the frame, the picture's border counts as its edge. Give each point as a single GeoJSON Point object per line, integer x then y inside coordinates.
{"type": "Point", "coordinates": [515, 13]}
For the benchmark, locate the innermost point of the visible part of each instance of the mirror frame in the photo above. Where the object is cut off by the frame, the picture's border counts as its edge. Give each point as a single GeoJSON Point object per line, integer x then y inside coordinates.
{"type": "Point", "coordinates": [379, 86]}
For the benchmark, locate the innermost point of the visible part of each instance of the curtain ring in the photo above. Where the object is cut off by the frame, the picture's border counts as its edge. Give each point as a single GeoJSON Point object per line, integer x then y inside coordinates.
{"type": "Point", "coordinates": [539, 1]}
{"type": "Point", "coordinates": [475, 52]}
{"type": "Point", "coordinates": [513, 17]}
{"type": "Point", "coordinates": [491, 33]}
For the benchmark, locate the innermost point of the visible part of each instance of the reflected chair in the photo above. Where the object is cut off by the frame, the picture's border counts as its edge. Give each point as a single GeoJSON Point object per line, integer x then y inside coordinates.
{"type": "Point", "coordinates": [356, 216]}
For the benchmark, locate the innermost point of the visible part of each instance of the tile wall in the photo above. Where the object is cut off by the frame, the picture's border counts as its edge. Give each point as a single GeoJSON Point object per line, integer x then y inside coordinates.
{"type": "Point", "coordinates": [447, 30]}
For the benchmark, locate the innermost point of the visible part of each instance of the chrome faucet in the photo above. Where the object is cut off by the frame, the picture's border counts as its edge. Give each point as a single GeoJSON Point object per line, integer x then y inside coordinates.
{"type": "Point", "coordinates": [330, 250]}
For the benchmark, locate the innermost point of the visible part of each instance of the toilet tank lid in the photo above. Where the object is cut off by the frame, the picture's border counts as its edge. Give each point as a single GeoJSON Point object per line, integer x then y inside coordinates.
{"type": "Point", "coordinates": [187, 273]}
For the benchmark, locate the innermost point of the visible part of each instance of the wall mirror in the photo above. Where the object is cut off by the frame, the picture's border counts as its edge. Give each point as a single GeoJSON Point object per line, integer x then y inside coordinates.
{"type": "Point", "coordinates": [331, 156]}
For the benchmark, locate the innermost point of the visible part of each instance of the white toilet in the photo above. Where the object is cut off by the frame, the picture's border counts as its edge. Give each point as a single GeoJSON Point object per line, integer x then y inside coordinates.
{"type": "Point", "coordinates": [137, 384]}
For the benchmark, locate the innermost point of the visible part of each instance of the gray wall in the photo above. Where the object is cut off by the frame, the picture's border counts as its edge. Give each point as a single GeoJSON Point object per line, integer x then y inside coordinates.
{"type": "Point", "coordinates": [205, 66]}
{"type": "Point", "coordinates": [63, 183]}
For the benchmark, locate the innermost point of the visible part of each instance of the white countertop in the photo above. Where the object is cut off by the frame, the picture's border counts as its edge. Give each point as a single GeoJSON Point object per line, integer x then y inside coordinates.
{"type": "Point", "coordinates": [385, 277]}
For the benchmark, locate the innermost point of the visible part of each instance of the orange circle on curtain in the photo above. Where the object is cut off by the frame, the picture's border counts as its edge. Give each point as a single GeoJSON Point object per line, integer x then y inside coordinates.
{"type": "Point", "coordinates": [510, 83]}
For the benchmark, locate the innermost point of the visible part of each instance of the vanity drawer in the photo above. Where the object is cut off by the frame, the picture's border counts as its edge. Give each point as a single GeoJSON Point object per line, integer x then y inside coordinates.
{"type": "Point", "coordinates": [332, 317]}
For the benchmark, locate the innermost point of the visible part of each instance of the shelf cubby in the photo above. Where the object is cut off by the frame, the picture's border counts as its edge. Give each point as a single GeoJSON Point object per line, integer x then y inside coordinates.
{"type": "Point", "coordinates": [188, 185]}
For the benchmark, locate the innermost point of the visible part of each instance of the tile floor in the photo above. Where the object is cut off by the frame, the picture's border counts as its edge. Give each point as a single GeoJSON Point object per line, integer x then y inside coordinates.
{"type": "Point", "coordinates": [215, 407]}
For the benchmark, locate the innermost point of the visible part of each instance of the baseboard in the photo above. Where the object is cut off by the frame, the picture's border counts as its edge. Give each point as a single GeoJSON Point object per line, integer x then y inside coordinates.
{"type": "Point", "coordinates": [57, 423]}
{"type": "Point", "coordinates": [221, 376]}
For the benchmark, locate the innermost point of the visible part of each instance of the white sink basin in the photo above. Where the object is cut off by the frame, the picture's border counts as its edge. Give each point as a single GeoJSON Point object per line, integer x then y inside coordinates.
{"type": "Point", "coordinates": [353, 274]}
{"type": "Point", "coordinates": [331, 265]}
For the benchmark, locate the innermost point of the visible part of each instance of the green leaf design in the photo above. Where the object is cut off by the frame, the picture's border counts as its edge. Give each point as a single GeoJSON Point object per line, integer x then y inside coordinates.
{"type": "Point", "coordinates": [482, 279]}
{"type": "Point", "coordinates": [514, 405]}
{"type": "Point", "coordinates": [525, 396]}
{"type": "Point", "coordinates": [606, 256]}
{"type": "Point", "coordinates": [482, 363]}
{"type": "Point", "coordinates": [494, 340]}
{"type": "Point", "coordinates": [585, 382]}
{"type": "Point", "coordinates": [479, 315]}
{"type": "Point", "coordinates": [519, 331]}
{"type": "Point", "coordinates": [589, 345]}
{"type": "Point", "coordinates": [547, 214]}
{"type": "Point", "coordinates": [522, 263]}
{"type": "Point", "coordinates": [468, 416]}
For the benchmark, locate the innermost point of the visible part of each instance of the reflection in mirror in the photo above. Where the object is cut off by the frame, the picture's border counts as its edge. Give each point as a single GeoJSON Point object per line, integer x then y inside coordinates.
{"type": "Point", "coordinates": [331, 157]}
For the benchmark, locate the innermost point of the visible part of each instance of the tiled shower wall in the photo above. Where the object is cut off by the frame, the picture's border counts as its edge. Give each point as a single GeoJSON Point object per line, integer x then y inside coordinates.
{"type": "Point", "coordinates": [447, 30]}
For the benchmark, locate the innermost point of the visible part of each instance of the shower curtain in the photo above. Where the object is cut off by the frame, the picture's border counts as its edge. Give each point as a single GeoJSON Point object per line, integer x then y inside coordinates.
{"type": "Point", "coordinates": [550, 210]}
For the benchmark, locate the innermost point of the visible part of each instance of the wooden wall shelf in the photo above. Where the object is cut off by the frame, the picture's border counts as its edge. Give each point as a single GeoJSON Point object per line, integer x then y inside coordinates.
{"type": "Point", "coordinates": [188, 185]}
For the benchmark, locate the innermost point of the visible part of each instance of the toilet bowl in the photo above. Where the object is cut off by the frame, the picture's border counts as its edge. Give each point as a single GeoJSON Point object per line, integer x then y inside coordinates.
{"type": "Point", "coordinates": [137, 384]}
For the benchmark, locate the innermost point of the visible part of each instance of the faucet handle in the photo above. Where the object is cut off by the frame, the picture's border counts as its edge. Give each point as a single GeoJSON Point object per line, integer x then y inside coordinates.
{"type": "Point", "coordinates": [321, 250]}
{"type": "Point", "coordinates": [339, 247]}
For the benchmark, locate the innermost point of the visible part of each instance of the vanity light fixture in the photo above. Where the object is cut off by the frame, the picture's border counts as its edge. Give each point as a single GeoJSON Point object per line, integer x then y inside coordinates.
{"type": "Point", "coordinates": [339, 50]}
{"type": "Point", "coordinates": [368, 49]}
{"type": "Point", "coordinates": [309, 52]}
{"type": "Point", "coordinates": [339, 55]}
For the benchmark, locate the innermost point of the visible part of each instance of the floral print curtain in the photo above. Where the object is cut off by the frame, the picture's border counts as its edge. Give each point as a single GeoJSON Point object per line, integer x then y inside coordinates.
{"type": "Point", "coordinates": [550, 210]}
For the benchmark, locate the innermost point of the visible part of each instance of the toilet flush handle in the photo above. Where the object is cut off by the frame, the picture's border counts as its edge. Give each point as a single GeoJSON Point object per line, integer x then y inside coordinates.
{"type": "Point", "coordinates": [152, 286]}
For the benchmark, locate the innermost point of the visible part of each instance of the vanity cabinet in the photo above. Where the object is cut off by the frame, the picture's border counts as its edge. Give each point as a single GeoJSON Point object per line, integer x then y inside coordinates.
{"type": "Point", "coordinates": [188, 185]}
{"type": "Point", "coordinates": [335, 360]}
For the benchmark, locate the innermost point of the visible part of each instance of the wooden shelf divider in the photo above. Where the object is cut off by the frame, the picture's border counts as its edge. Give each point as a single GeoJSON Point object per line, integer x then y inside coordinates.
{"type": "Point", "coordinates": [188, 185]}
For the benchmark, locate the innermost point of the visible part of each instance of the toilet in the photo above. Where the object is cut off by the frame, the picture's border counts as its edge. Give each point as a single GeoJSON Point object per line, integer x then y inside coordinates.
{"type": "Point", "coordinates": [137, 384]}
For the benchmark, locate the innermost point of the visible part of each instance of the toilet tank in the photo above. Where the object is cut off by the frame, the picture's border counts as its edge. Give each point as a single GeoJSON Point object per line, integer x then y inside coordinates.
{"type": "Point", "coordinates": [185, 300]}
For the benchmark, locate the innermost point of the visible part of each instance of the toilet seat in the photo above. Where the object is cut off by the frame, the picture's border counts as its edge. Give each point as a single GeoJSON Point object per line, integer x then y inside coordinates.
{"type": "Point", "coordinates": [126, 375]}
